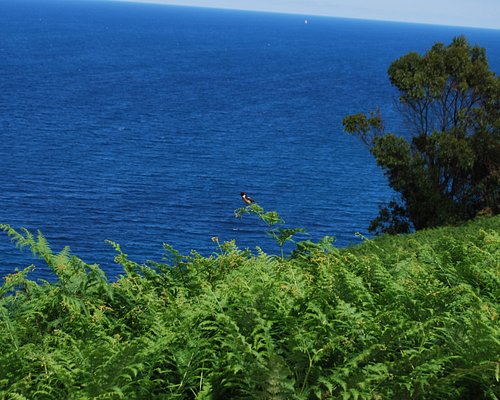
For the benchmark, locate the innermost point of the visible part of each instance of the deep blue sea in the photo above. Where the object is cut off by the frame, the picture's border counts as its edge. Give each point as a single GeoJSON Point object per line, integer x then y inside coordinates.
{"type": "Point", "coordinates": [142, 124]}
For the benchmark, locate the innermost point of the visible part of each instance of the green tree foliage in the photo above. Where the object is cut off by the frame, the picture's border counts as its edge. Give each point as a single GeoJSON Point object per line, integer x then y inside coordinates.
{"type": "Point", "coordinates": [449, 171]}
{"type": "Point", "coordinates": [410, 317]}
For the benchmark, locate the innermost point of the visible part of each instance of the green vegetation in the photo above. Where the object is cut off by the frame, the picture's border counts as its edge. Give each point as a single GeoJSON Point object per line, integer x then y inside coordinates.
{"type": "Point", "coordinates": [450, 169]}
{"type": "Point", "coordinates": [274, 224]}
{"type": "Point", "coordinates": [407, 317]}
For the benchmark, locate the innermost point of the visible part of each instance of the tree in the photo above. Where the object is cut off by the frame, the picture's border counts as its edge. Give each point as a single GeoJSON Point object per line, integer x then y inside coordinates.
{"type": "Point", "coordinates": [448, 170]}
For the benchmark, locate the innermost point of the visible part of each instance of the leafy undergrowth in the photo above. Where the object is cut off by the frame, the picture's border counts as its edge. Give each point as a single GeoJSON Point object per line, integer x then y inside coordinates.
{"type": "Point", "coordinates": [408, 317]}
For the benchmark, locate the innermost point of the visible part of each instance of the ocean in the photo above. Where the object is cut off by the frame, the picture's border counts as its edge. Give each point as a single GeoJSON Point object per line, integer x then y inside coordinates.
{"type": "Point", "coordinates": [142, 123]}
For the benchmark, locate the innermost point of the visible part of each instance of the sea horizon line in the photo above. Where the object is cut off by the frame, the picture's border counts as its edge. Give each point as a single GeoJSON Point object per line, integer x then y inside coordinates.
{"type": "Point", "coordinates": [304, 14]}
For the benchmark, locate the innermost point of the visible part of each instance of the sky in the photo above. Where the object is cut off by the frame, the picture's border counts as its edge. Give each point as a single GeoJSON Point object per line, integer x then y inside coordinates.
{"type": "Point", "coordinates": [473, 13]}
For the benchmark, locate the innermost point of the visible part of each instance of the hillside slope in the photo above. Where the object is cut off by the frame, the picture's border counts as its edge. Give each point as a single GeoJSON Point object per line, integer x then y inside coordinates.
{"type": "Point", "coordinates": [409, 317]}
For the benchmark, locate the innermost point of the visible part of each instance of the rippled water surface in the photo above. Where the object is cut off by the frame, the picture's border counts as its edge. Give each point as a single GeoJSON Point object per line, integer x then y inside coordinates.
{"type": "Point", "coordinates": [142, 123]}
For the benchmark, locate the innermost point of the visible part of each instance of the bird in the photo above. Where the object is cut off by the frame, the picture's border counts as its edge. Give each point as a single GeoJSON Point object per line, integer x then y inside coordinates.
{"type": "Point", "coordinates": [246, 199]}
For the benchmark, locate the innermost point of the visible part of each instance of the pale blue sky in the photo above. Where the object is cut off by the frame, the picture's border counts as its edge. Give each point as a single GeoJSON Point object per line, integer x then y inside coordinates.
{"type": "Point", "coordinates": [476, 13]}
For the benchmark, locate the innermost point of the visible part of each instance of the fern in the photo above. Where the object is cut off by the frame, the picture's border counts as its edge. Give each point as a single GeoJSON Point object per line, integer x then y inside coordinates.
{"type": "Point", "coordinates": [397, 317]}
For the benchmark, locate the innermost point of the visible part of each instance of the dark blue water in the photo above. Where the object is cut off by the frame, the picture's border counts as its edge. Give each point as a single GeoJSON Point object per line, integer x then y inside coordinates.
{"type": "Point", "coordinates": [142, 123]}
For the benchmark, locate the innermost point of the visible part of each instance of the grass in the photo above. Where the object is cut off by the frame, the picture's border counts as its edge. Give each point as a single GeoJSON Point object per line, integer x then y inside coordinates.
{"type": "Point", "coordinates": [398, 317]}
